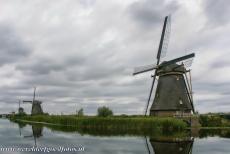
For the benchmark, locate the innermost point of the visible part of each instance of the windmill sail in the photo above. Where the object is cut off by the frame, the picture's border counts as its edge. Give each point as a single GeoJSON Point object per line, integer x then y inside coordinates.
{"type": "Point", "coordinates": [27, 101]}
{"type": "Point", "coordinates": [187, 63]}
{"type": "Point", "coordinates": [142, 69]}
{"type": "Point", "coordinates": [166, 37]}
{"type": "Point", "coordinates": [176, 60]}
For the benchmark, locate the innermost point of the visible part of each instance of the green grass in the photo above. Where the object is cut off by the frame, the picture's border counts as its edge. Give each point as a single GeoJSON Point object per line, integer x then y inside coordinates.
{"type": "Point", "coordinates": [111, 124]}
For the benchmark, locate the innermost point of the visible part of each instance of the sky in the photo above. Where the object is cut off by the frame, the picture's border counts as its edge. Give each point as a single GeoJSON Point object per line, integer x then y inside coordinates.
{"type": "Point", "coordinates": [81, 53]}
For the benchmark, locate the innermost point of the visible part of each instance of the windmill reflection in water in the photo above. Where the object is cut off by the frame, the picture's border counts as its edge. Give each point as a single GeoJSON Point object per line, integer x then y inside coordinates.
{"type": "Point", "coordinates": [36, 132]}
{"type": "Point", "coordinates": [170, 145]}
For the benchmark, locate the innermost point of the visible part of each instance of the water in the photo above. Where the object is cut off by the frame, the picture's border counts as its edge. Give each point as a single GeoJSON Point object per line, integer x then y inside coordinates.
{"type": "Point", "coordinates": [27, 136]}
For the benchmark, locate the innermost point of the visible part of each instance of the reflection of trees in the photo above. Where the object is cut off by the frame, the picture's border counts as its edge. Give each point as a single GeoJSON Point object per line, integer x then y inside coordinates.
{"type": "Point", "coordinates": [225, 133]}
{"type": "Point", "coordinates": [21, 125]}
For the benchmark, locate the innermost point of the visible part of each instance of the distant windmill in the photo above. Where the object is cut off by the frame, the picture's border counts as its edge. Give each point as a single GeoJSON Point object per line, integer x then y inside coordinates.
{"type": "Point", "coordinates": [20, 109]}
{"type": "Point", "coordinates": [36, 105]}
{"type": "Point", "coordinates": [173, 94]}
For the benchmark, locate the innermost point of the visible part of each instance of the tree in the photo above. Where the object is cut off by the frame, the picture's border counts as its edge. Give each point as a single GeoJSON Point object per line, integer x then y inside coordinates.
{"type": "Point", "coordinates": [104, 112]}
{"type": "Point", "coordinates": [80, 112]}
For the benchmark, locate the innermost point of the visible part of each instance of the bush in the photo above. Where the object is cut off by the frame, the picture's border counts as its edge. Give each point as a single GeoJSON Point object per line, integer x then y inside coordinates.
{"type": "Point", "coordinates": [46, 114]}
{"type": "Point", "coordinates": [21, 114]}
{"type": "Point", "coordinates": [210, 121]}
{"type": "Point", "coordinates": [104, 112]}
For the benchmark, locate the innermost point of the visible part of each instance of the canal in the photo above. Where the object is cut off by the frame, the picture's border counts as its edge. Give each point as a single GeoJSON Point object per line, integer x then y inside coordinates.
{"type": "Point", "coordinates": [21, 138]}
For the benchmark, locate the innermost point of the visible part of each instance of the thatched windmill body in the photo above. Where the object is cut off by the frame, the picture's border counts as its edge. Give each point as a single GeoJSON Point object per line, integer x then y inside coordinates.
{"type": "Point", "coordinates": [173, 94]}
{"type": "Point", "coordinates": [36, 105]}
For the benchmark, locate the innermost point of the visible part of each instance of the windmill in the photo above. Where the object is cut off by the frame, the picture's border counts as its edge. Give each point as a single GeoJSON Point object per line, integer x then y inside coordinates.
{"type": "Point", "coordinates": [20, 109]}
{"type": "Point", "coordinates": [36, 105]}
{"type": "Point", "coordinates": [173, 94]}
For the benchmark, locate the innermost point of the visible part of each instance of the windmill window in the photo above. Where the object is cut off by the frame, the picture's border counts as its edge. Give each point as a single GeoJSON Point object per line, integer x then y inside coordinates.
{"type": "Point", "coordinates": [180, 102]}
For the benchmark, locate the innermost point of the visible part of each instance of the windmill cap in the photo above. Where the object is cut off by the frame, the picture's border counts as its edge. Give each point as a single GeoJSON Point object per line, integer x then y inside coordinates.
{"type": "Point", "coordinates": [37, 101]}
{"type": "Point", "coordinates": [172, 68]}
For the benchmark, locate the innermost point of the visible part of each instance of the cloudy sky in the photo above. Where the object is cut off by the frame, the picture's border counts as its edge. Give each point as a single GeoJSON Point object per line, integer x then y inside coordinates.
{"type": "Point", "coordinates": [81, 53]}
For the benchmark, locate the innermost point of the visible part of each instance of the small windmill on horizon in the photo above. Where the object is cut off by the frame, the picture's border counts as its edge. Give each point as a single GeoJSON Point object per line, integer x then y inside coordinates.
{"type": "Point", "coordinates": [173, 94]}
{"type": "Point", "coordinates": [20, 109]}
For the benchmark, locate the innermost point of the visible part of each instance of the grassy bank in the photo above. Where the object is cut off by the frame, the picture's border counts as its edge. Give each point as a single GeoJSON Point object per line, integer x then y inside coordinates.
{"type": "Point", "coordinates": [213, 121]}
{"type": "Point", "coordinates": [155, 133]}
{"type": "Point", "coordinates": [110, 124]}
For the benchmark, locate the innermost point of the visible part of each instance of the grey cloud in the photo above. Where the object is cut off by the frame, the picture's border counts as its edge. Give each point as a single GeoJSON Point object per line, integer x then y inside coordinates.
{"type": "Point", "coordinates": [217, 12]}
{"type": "Point", "coordinates": [40, 67]}
{"type": "Point", "coordinates": [213, 106]}
{"type": "Point", "coordinates": [219, 64]}
{"type": "Point", "coordinates": [96, 67]}
{"type": "Point", "coordinates": [12, 47]}
{"type": "Point", "coordinates": [87, 3]}
{"type": "Point", "coordinates": [150, 13]}
{"type": "Point", "coordinates": [44, 66]}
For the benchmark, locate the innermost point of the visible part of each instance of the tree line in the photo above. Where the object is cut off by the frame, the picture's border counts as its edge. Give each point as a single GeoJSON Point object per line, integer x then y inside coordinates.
{"type": "Point", "coordinates": [101, 112]}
